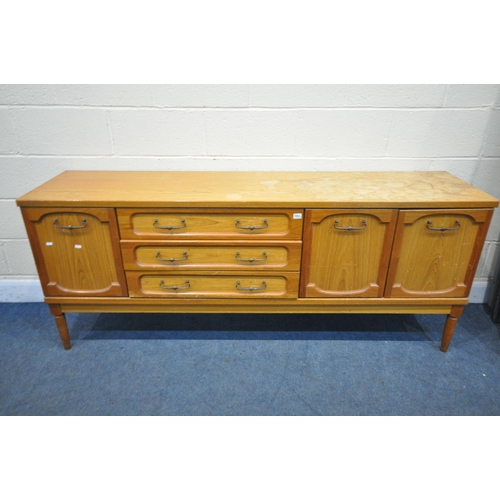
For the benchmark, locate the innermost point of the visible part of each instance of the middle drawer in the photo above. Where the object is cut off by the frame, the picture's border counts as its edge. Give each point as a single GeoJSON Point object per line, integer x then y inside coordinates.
{"type": "Point", "coordinates": [216, 255]}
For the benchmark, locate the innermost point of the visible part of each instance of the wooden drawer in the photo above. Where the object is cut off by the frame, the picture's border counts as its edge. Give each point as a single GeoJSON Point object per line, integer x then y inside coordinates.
{"type": "Point", "coordinates": [221, 255]}
{"type": "Point", "coordinates": [213, 285]}
{"type": "Point", "coordinates": [213, 224]}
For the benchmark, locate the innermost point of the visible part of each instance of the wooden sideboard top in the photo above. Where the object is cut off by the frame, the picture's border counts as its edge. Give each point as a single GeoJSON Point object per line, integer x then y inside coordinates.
{"type": "Point", "coordinates": [256, 190]}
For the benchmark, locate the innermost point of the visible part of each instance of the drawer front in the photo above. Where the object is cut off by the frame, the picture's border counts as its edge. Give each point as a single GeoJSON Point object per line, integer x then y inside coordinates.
{"type": "Point", "coordinates": [222, 255]}
{"type": "Point", "coordinates": [220, 285]}
{"type": "Point", "coordinates": [195, 224]}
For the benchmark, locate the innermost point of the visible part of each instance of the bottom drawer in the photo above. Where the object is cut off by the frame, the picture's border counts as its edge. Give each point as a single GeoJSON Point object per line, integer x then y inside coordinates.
{"type": "Point", "coordinates": [220, 285]}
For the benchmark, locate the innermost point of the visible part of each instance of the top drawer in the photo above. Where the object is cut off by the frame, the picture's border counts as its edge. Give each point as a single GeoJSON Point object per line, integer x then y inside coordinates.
{"type": "Point", "coordinates": [210, 224]}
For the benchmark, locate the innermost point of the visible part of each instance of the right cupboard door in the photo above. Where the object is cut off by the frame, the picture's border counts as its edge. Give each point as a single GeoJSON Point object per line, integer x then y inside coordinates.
{"type": "Point", "coordinates": [436, 253]}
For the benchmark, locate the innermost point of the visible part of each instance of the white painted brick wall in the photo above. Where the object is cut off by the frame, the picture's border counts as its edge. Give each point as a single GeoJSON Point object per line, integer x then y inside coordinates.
{"type": "Point", "coordinates": [438, 133]}
{"type": "Point", "coordinates": [4, 268]}
{"type": "Point", "coordinates": [466, 96]}
{"type": "Point", "coordinates": [487, 178]}
{"type": "Point", "coordinates": [19, 257]}
{"type": "Point", "coordinates": [334, 96]}
{"type": "Point", "coordinates": [305, 133]}
{"type": "Point", "coordinates": [45, 129]}
{"type": "Point", "coordinates": [61, 131]}
{"type": "Point", "coordinates": [140, 132]}
{"type": "Point", "coordinates": [27, 94]}
{"type": "Point", "coordinates": [492, 142]}
{"type": "Point", "coordinates": [12, 221]}
{"type": "Point", "coordinates": [8, 143]}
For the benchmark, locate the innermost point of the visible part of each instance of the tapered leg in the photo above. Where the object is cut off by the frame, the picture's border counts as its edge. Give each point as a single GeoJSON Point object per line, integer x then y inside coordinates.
{"type": "Point", "coordinates": [449, 326]}
{"type": "Point", "coordinates": [62, 326]}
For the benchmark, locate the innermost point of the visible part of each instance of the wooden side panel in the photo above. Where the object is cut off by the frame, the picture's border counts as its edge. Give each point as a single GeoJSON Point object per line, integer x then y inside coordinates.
{"type": "Point", "coordinates": [346, 252]}
{"type": "Point", "coordinates": [436, 252]}
{"type": "Point", "coordinates": [210, 224]}
{"type": "Point", "coordinates": [84, 260]}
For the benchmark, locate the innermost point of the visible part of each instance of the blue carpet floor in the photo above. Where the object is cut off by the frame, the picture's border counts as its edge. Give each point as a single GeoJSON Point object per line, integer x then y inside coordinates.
{"type": "Point", "coordinates": [173, 364]}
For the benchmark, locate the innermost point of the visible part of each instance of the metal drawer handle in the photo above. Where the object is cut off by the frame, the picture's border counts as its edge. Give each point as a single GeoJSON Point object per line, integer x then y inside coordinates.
{"type": "Point", "coordinates": [251, 288]}
{"type": "Point", "coordinates": [429, 224]}
{"type": "Point", "coordinates": [266, 225]}
{"type": "Point", "coordinates": [84, 224]}
{"type": "Point", "coordinates": [172, 259]}
{"type": "Point", "coordinates": [350, 228]}
{"type": "Point", "coordinates": [175, 287]}
{"type": "Point", "coordinates": [155, 224]}
{"type": "Point", "coordinates": [264, 255]}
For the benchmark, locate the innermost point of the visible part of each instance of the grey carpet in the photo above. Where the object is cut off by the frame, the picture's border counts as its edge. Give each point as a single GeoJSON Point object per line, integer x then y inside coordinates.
{"type": "Point", "coordinates": [174, 364]}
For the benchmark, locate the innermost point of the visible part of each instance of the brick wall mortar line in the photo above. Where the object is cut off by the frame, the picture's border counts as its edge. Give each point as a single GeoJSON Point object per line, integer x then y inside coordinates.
{"type": "Point", "coordinates": [110, 131]}
{"type": "Point", "coordinates": [249, 108]}
{"type": "Point", "coordinates": [271, 157]}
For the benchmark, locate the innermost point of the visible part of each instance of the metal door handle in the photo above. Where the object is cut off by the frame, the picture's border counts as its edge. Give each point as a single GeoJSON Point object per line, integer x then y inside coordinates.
{"type": "Point", "coordinates": [429, 224]}
{"type": "Point", "coordinates": [84, 224]}
{"type": "Point", "coordinates": [350, 228]}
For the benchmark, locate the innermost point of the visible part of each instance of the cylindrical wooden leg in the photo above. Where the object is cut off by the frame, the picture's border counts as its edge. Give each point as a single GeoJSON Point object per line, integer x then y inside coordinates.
{"type": "Point", "coordinates": [62, 326]}
{"type": "Point", "coordinates": [449, 327]}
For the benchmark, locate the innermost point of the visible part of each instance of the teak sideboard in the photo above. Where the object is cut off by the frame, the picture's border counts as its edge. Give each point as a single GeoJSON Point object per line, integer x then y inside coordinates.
{"type": "Point", "coordinates": [257, 242]}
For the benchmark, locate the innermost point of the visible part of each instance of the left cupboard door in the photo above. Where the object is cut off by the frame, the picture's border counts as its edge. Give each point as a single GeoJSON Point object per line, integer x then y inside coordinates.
{"type": "Point", "coordinates": [77, 251]}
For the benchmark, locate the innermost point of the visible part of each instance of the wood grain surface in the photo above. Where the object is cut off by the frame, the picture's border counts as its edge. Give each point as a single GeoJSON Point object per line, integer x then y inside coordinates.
{"type": "Point", "coordinates": [257, 189]}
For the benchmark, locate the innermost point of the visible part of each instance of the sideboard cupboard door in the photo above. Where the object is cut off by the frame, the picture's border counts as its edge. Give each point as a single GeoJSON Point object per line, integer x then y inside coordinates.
{"type": "Point", "coordinates": [76, 251]}
{"type": "Point", "coordinates": [436, 252]}
{"type": "Point", "coordinates": [346, 252]}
